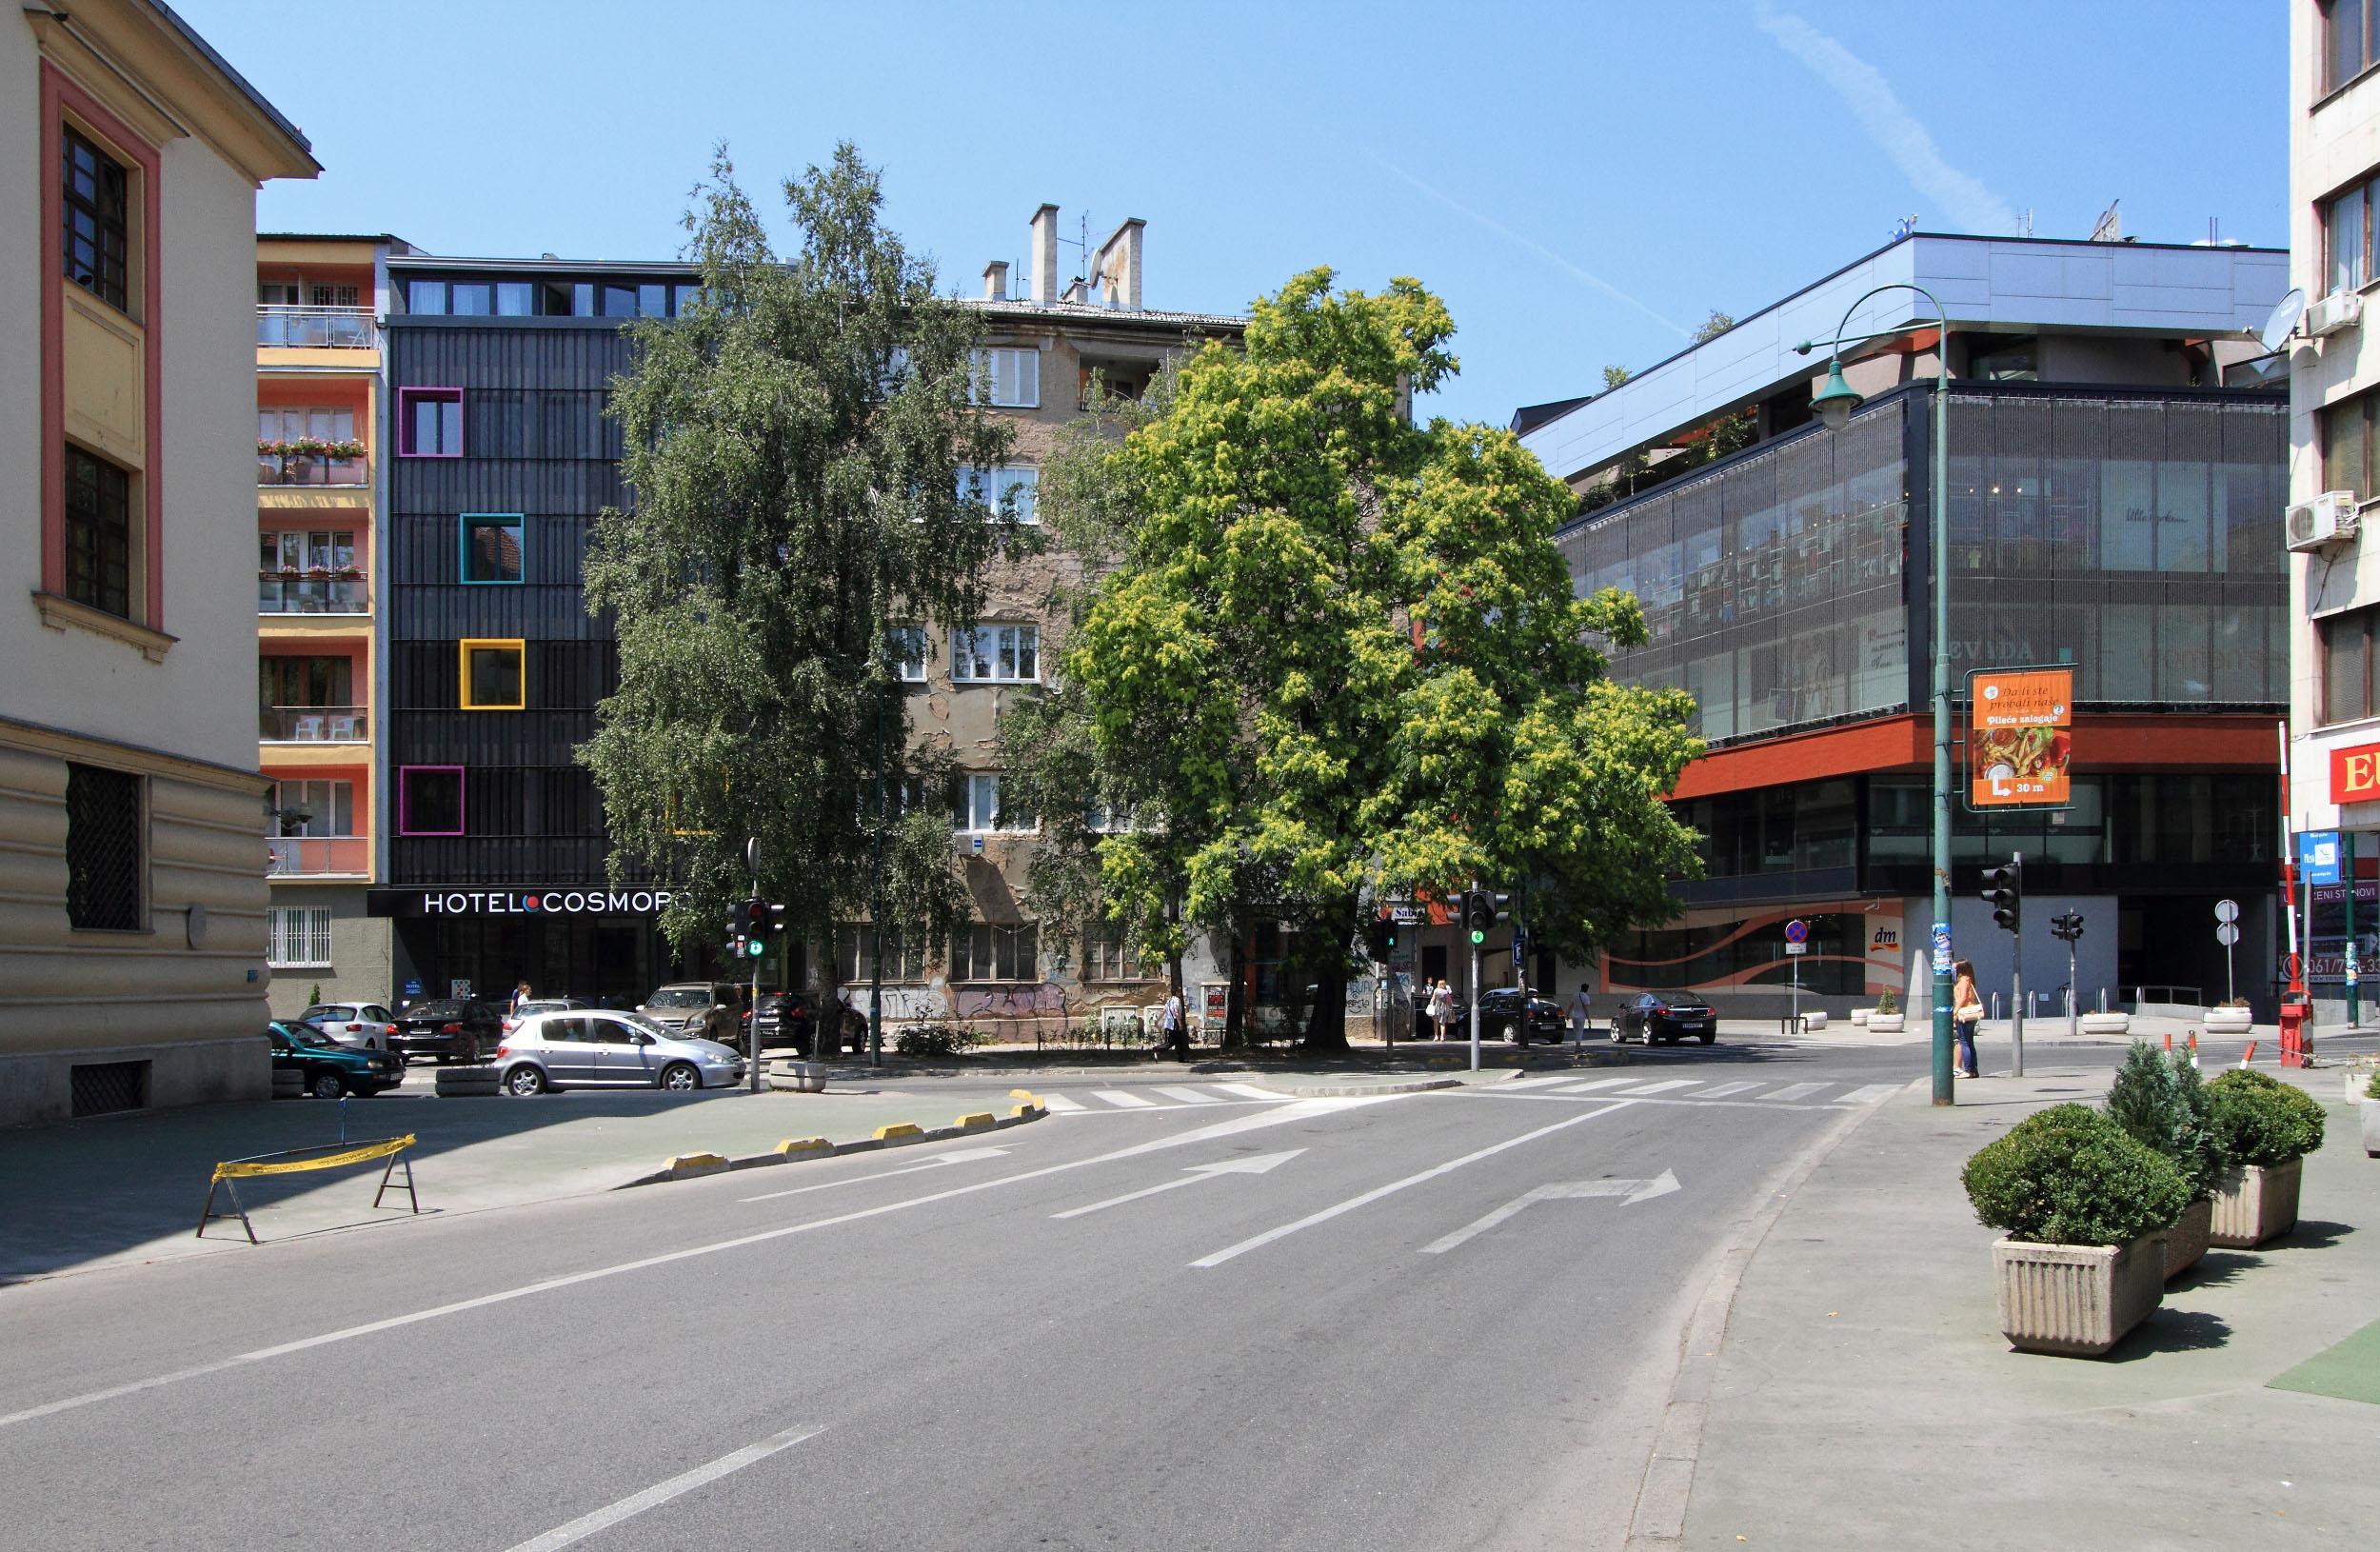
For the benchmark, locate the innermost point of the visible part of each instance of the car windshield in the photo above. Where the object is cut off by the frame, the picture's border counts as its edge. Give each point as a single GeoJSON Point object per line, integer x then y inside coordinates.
{"type": "Point", "coordinates": [680, 997]}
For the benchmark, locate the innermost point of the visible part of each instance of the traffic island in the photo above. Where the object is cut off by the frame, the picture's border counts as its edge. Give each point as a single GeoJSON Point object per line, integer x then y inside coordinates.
{"type": "Point", "coordinates": [895, 1134]}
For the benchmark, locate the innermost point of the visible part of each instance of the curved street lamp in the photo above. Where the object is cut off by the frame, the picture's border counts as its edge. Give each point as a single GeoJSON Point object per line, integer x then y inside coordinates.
{"type": "Point", "coordinates": [1834, 402]}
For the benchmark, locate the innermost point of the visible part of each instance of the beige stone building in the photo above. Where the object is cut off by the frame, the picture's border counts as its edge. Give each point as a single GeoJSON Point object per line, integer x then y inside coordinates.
{"type": "Point", "coordinates": [133, 894]}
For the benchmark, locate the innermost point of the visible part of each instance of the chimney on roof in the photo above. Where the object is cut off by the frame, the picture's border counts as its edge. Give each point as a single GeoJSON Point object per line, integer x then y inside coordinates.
{"type": "Point", "coordinates": [996, 280]}
{"type": "Point", "coordinates": [1045, 225]}
{"type": "Point", "coordinates": [1118, 267]}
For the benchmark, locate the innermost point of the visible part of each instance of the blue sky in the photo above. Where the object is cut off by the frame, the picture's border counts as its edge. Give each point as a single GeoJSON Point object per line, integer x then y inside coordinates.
{"type": "Point", "coordinates": [1581, 182]}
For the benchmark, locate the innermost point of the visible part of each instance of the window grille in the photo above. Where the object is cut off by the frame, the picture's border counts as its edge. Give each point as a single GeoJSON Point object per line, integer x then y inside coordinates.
{"type": "Point", "coordinates": [301, 937]}
{"type": "Point", "coordinates": [104, 862]}
{"type": "Point", "coordinates": [98, 1088]}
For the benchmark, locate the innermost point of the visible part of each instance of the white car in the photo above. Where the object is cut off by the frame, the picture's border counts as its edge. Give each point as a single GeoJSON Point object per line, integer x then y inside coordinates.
{"type": "Point", "coordinates": [363, 1026]}
{"type": "Point", "coordinates": [595, 1048]}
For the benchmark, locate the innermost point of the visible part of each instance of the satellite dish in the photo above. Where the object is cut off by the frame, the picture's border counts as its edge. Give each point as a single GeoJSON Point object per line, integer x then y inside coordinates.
{"type": "Point", "coordinates": [2286, 313]}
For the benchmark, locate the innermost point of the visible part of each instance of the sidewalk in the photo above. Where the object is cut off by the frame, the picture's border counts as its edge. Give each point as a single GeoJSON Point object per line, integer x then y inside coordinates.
{"type": "Point", "coordinates": [1863, 1396]}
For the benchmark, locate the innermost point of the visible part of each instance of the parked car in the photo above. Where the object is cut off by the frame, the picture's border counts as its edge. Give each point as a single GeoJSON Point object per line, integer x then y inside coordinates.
{"type": "Point", "coordinates": [1665, 1017]}
{"type": "Point", "coordinates": [786, 1016]}
{"type": "Point", "coordinates": [450, 1028]}
{"type": "Point", "coordinates": [366, 1027]}
{"type": "Point", "coordinates": [329, 1069]}
{"type": "Point", "coordinates": [697, 1009]}
{"type": "Point", "coordinates": [1500, 1019]}
{"type": "Point", "coordinates": [595, 1050]}
{"type": "Point", "coordinates": [543, 1004]}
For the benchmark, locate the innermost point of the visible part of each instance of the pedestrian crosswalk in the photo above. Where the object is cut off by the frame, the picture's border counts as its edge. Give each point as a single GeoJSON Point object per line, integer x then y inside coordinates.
{"type": "Point", "coordinates": [1636, 1084]}
{"type": "Point", "coordinates": [1157, 1097]}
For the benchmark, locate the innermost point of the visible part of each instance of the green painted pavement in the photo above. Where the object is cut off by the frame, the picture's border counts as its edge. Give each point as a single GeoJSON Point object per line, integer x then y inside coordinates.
{"type": "Point", "coordinates": [2350, 1371]}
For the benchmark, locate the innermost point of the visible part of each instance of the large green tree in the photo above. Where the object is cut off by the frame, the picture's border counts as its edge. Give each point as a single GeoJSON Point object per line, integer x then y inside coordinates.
{"type": "Point", "coordinates": [1342, 659]}
{"type": "Point", "coordinates": [795, 443]}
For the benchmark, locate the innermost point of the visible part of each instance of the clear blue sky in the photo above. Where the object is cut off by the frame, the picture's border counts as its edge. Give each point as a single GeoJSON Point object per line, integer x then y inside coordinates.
{"type": "Point", "coordinates": [1581, 182]}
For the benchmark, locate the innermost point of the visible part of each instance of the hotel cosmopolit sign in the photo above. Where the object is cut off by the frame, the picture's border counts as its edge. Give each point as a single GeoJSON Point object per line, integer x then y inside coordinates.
{"type": "Point", "coordinates": [2020, 738]}
{"type": "Point", "coordinates": [599, 901]}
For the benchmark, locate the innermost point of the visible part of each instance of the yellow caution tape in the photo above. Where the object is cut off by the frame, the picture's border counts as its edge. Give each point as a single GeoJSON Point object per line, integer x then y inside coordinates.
{"type": "Point", "coordinates": [364, 1154]}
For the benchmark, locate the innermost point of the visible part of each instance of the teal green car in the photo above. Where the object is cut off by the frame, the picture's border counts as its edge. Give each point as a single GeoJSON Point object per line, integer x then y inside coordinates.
{"type": "Point", "coordinates": [329, 1071]}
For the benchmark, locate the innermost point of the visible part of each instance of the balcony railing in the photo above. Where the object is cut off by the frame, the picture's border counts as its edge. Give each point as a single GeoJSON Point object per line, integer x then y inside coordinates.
{"type": "Point", "coordinates": [313, 724]}
{"type": "Point", "coordinates": [278, 592]}
{"type": "Point", "coordinates": [303, 856]}
{"type": "Point", "coordinates": [339, 328]}
{"type": "Point", "coordinates": [296, 469]}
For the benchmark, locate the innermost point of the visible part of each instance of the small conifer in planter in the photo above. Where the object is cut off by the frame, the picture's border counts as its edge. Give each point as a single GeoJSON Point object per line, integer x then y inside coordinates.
{"type": "Point", "coordinates": [2160, 1104]}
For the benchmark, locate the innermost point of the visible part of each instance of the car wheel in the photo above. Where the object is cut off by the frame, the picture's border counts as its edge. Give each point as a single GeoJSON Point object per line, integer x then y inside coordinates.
{"type": "Point", "coordinates": [1709, 1038]}
{"type": "Point", "coordinates": [525, 1081]}
{"type": "Point", "coordinates": [679, 1077]}
{"type": "Point", "coordinates": [326, 1085]}
{"type": "Point", "coordinates": [1513, 1035]}
{"type": "Point", "coordinates": [468, 1056]}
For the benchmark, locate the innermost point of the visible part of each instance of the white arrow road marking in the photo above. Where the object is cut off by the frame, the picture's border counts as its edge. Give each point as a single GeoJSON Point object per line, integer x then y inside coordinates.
{"type": "Point", "coordinates": [962, 1156]}
{"type": "Point", "coordinates": [1260, 1164]}
{"type": "Point", "coordinates": [662, 1492]}
{"type": "Point", "coordinates": [1627, 1190]}
{"type": "Point", "coordinates": [1378, 1191]}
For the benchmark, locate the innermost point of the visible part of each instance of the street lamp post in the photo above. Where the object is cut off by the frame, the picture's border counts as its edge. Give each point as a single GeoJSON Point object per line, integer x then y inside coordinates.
{"type": "Point", "coordinates": [1833, 402]}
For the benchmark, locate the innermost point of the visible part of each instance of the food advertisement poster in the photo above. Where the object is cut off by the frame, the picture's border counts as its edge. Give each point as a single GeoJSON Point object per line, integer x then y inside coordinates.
{"type": "Point", "coordinates": [2020, 738]}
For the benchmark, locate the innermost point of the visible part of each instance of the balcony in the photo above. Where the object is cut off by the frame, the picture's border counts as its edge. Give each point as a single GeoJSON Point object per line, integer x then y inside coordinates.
{"type": "Point", "coordinates": [351, 329]}
{"type": "Point", "coordinates": [313, 724]}
{"type": "Point", "coordinates": [311, 463]}
{"type": "Point", "coordinates": [331, 856]}
{"type": "Point", "coordinates": [316, 592]}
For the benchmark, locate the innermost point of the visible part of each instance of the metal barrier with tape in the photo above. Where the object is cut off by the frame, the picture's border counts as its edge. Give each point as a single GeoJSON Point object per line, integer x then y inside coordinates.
{"type": "Point", "coordinates": [300, 1161]}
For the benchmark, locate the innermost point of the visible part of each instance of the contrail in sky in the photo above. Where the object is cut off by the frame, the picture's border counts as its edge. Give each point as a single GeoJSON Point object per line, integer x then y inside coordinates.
{"type": "Point", "coordinates": [1544, 252]}
{"type": "Point", "coordinates": [1893, 128]}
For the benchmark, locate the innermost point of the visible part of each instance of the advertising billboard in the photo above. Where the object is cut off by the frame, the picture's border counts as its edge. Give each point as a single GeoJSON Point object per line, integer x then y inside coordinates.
{"type": "Point", "coordinates": [2020, 738]}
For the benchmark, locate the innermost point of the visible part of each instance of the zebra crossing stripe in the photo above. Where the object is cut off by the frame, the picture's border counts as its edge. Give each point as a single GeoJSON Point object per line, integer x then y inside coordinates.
{"type": "Point", "coordinates": [1187, 1095]}
{"type": "Point", "coordinates": [1796, 1091]}
{"type": "Point", "coordinates": [1599, 1082]}
{"type": "Point", "coordinates": [1872, 1094]}
{"type": "Point", "coordinates": [1122, 1101]}
{"type": "Point", "coordinates": [1058, 1104]}
{"type": "Point", "coordinates": [1250, 1091]}
{"type": "Point", "coordinates": [1725, 1089]}
{"type": "Point", "coordinates": [1538, 1083]}
{"type": "Point", "coordinates": [1662, 1088]}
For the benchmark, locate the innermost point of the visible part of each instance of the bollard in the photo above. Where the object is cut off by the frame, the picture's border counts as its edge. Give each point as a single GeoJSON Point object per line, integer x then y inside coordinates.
{"type": "Point", "coordinates": [2250, 1054]}
{"type": "Point", "coordinates": [2168, 1043]}
{"type": "Point", "coordinates": [2193, 1047]}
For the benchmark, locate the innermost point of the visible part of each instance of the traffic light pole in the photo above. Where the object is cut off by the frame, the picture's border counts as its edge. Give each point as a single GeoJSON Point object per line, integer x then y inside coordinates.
{"type": "Point", "coordinates": [1474, 982]}
{"type": "Point", "coordinates": [2016, 976]}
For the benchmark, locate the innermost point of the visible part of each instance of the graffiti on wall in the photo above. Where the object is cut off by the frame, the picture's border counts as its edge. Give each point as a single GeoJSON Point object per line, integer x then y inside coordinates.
{"type": "Point", "coordinates": [907, 1003]}
{"type": "Point", "coordinates": [1011, 1002]}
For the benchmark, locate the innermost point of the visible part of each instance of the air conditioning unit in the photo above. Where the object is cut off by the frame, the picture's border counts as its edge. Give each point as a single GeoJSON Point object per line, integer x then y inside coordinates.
{"type": "Point", "coordinates": [2340, 309]}
{"type": "Point", "coordinates": [2322, 522]}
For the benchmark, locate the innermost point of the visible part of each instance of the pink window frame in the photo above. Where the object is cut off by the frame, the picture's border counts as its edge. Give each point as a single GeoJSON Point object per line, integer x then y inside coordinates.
{"type": "Point", "coordinates": [405, 818]}
{"type": "Point", "coordinates": [406, 396]}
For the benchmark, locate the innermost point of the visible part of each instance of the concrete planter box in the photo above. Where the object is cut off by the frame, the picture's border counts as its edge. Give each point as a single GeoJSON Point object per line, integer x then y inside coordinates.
{"type": "Point", "coordinates": [1813, 1020]}
{"type": "Point", "coordinates": [2107, 1024]}
{"type": "Point", "coordinates": [459, 1082]}
{"type": "Point", "coordinates": [798, 1078]}
{"type": "Point", "coordinates": [2371, 1109]}
{"type": "Point", "coordinates": [1859, 1017]}
{"type": "Point", "coordinates": [2076, 1301]}
{"type": "Point", "coordinates": [2230, 1021]}
{"type": "Point", "coordinates": [2256, 1202]}
{"type": "Point", "coordinates": [1885, 1023]}
{"type": "Point", "coordinates": [2357, 1082]}
{"type": "Point", "coordinates": [2187, 1241]}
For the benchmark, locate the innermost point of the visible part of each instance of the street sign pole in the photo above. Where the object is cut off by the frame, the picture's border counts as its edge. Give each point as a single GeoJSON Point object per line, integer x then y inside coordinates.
{"type": "Point", "coordinates": [2347, 869]}
{"type": "Point", "coordinates": [1475, 997]}
{"type": "Point", "coordinates": [2226, 933]}
{"type": "Point", "coordinates": [2016, 990]}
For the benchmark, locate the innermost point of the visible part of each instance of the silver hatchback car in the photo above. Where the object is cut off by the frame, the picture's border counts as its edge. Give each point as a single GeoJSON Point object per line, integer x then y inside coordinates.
{"type": "Point", "coordinates": [593, 1049]}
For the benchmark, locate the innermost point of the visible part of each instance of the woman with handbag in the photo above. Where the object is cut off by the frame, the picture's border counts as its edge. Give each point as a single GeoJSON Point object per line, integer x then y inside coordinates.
{"type": "Point", "coordinates": [1966, 1012]}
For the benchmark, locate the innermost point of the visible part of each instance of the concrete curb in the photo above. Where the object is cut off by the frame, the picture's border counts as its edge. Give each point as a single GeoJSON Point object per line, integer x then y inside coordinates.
{"type": "Point", "coordinates": [1659, 1518]}
{"type": "Point", "coordinates": [900, 1134]}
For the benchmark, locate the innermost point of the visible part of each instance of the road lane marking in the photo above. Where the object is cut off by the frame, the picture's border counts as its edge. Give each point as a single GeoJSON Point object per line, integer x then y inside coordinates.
{"type": "Point", "coordinates": [662, 1492]}
{"type": "Point", "coordinates": [1629, 1191]}
{"type": "Point", "coordinates": [1663, 1088]}
{"type": "Point", "coordinates": [1059, 1105]}
{"type": "Point", "coordinates": [1598, 1082]}
{"type": "Point", "coordinates": [1725, 1089]}
{"type": "Point", "coordinates": [1262, 1163]}
{"type": "Point", "coordinates": [1872, 1094]}
{"type": "Point", "coordinates": [1250, 1091]}
{"type": "Point", "coordinates": [1378, 1191]}
{"type": "Point", "coordinates": [1794, 1091]}
{"type": "Point", "coordinates": [962, 1156]}
{"type": "Point", "coordinates": [1270, 1116]}
{"type": "Point", "coordinates": [1187, 1095]}
{"type": "Point", "coordinates": [1538, 1083]}
{"type": "Point", "coordinates": [1122, 1101]}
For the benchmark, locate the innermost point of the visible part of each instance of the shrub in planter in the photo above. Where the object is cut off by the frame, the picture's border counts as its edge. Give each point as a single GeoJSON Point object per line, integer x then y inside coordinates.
{"type": "Point", "coordinates": [2370, 1111]}
{"type": "Point", "coordinates": [2266, 1128]}
{"type": "Point", "coordinates": [937, 1040]}
{"type": "Point", "coordinates": [2160, 1104]}
{"type": "Point", "coordinates": [1887, 1004]}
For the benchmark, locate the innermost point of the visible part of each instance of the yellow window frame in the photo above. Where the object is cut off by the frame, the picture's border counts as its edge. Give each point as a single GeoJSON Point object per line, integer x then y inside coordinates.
{"type": "Point", "coordinates": [518, 646]}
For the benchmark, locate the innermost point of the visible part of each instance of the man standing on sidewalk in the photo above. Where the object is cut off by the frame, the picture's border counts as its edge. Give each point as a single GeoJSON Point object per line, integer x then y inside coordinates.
{"type": "Point", "coordinates": [1177, 1033]}
{"type": "Point", "coordinates": [1581, 1016]}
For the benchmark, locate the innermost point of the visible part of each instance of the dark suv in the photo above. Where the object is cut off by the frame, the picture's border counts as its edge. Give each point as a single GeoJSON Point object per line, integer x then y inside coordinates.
{"type": "Point", "coordinates": [449, 1029]}
{"type": "Point", "coordinates": [1501, 1017]}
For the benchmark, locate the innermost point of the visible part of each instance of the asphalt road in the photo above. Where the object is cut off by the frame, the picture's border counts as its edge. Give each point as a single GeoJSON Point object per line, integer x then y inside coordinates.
{"type": "Point", "coordinates": [1207, 1320]}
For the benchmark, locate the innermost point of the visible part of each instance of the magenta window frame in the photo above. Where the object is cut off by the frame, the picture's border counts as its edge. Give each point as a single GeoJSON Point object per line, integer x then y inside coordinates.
{"type": "Point", "coordinates": [405, 817]}
{"type": "Point", "coordinates": [405, 399]}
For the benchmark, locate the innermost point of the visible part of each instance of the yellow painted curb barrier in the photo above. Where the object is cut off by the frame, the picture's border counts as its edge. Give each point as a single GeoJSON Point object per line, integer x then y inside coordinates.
{"type": "Point", "coordinates": [1025, 1094]}
{"type": "Point", "coordinates": [972, 1123]}
{"type": "Point", "coordinates": [297, 1160]}
{"type": "Point", "coordinates": [898, 1128]}
{"type": "Point", "coordinates": [691, 1165]}
{"type": "Point", "coordinates": [1024, 1112]}
{"type": "Point", "coordinates": [792, 1146]}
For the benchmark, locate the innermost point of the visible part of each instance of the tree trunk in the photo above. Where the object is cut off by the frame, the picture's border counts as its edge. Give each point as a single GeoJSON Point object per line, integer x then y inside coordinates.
{"type": "Point", "coordinates": [1327, 1022]}
{"type": "Point", "coordinates": [1235, 1004]}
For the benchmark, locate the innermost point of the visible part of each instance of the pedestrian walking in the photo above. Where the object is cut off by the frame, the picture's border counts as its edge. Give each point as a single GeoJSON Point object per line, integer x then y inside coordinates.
{"type": "Point", "coordinates": [1966, 1012]}
{"type": "Point", "coordinates": [1175, 1028]}
{"type": "Point", "coordinates": [520, 995]}
{"type": "Point", "coordinates": [1581, 1015]}
{"type": "Point", "coordinates": [1442, 1009]}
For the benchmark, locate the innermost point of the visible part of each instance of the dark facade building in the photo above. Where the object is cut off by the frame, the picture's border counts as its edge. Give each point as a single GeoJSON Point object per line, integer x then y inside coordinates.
{"type": "Point", "coordinates": [2113, 510]}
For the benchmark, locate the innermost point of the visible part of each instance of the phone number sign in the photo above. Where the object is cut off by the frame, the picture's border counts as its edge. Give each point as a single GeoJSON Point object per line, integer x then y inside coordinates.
{"type": "Point", "coordinates": [2020, 738]}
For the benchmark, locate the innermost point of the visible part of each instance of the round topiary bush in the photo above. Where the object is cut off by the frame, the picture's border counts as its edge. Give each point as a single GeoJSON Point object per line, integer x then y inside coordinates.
{"type": "Point", "coordinates": [2069, 1175]}
{"type": "Point", "coordinates": [2262, 1119]}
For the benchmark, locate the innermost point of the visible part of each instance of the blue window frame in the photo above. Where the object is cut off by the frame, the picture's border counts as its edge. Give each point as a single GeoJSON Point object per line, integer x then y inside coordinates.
{"type": "Point", "coordinates": [495, 547]}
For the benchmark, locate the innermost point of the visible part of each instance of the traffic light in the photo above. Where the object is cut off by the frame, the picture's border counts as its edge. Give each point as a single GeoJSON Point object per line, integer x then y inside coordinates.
{"type": "Point", "coordinates": [1482, 910]}
{"type": "Point", "coordinates": [2067, 927]}
{"type": "Point", "coordinates": [2004, 891]}
{"type": "Point", "coordinates": [757, 920]}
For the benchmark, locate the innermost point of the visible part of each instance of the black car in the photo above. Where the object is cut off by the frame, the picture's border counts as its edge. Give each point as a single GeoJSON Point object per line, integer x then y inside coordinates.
{"type": "Point", "coordinates": [326, 1068]}
{"type": "Point", "coordinates": [786, 1016]}
{"type": "Point", "coordinates": [449, 1029]}
{"type": "Point", "coordinates": [1665, 1017]}
{"type": "Point", "coordinates": [1500, 1017]}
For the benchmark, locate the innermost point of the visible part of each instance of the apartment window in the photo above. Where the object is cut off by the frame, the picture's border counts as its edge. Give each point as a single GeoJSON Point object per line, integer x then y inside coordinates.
{"type": "Point", "coordinates": [1005, 492]}
{"type": "Point", "coordinates": [470, 298]}
{"type": "Point", "coordinates": [997, 654]}
{"type": "Point", "coordinates": [106, 861]}
{"type": "Point", "coordinates": [305, 681]}
{"type": "Point", "coordinates": [429, 800]}
{"type": "Point", "coordinates": [284, 430]}
{"type": "Point", "coordinates": [333, 296]}
{"type": "Point", "coordinates": [1100, 819]}
{"type": "Point", "coordinates": [96, 251]}
{"type": "Point", "coordinates": [976, 807]}
{"type": "Point", "coordinates": [996, 954]}
{"type": "Point", "coordinates": [2351, 666]}
{"type": "Point", "coordinates": [855, 956]}
{"type": "Point", "coordinates": [301, 938]}
{"type": "Point", "coordinates": [430, 423]}
{"type": "Point", "coordinates": [1011, 379]}
{"type": "Point", "coordinates": [494, 675]}
{"type": "Point", "coordinates": [98, 533]}
{"type": "Point", "coordinates": [1107, 955]}
{"type": "Point", "coordinates": [492, 546]}
{"type": "Point", "coordinates": [2351, 445]}
{"type": "Point", "coordinates": [2347, 237]}
{"type": "Point", "coordinates": [428, 296]}
{"type": "Point", "coordinates": [2351, 31]}
{"type": "Point", "coordinates": [314, 809]}
{"type": "Point", "coordinates": [515, 299]}
{"type": "Point", "coordinates": [907, 645]}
